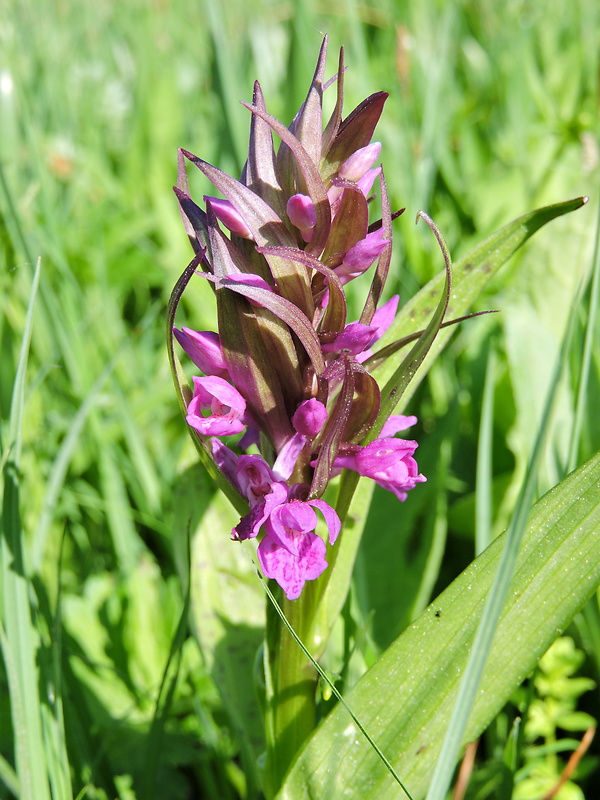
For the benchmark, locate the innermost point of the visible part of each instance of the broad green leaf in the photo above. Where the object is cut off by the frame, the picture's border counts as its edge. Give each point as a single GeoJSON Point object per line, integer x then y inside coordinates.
{"type": "Point", "coordinates": [469, 276]}
{"type": "Point", "coordinates": [227, 611]}
{"type": "Point", "coordinates": [405, 700]}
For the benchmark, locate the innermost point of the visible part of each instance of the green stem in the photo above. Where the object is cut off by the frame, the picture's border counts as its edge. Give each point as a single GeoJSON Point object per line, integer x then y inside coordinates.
{"type": "Point", "coordinates": [291, 688]}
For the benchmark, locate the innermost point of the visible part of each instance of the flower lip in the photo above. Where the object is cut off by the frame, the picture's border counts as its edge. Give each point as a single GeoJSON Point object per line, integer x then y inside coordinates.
{"type": "Point", "coordinates": [225, 403]}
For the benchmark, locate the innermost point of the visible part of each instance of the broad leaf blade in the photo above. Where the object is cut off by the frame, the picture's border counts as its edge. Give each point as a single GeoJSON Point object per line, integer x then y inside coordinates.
{"type": "Point", "coordinates": [405, 700]}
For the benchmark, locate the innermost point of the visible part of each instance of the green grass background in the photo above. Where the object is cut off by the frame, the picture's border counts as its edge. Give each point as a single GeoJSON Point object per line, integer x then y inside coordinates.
{"type": "Point", "coordinates": [493, 110]}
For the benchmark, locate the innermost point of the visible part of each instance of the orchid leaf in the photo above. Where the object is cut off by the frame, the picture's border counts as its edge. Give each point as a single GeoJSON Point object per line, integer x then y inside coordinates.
{"type": "Point", "coordinates": [308, 126]}
{"type": "Point", "coordinates": [265, 225]}
{"type": "Point", "coordinates": [335, 120]}
{"type": "Point", "coordinates": [334, 317]}
{"type": "Point", "coordinates": [331, 436]}
{"type": "Point", "coordinates": [470, 275]}
{"type": "Point", "coordinates": [350, 223]}
{"type": "Point", "coordinates": [356, 131]}
{"type": "Point", "coordinates": [260, 171]}
{"type": "Point", "coordinates": [393, 347]}
{"type": "Point", "coordinates": [406, 698]}
{"type": "Point", "coordinates": [365, 407]}
{"type": "Point", "coordinates": [312, 180]}
{"type": "Point", "coordinates": [262, 376]}
{"type": "Point", "coordinates": [383, 264]}
{"type": "Point", "coordinates": [251, 367]}
{"type": "Point", "coordinates": [263, 222]}
{"type": "Point", "coordinates": [283, 309]}
{"type": "Point", "coordinates": [398, 382]}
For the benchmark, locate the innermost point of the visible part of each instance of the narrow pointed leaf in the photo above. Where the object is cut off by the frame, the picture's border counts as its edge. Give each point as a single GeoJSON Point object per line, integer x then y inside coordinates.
{"type": "Point", "coordinates": [333, 126]}
{"type": "Point", "coordinates": [383, 264]}
{"type": "Point", "coordinates": [274, 375]}
{"type": "Point", "coordinates": [334, 318]}
{"type": "Point", "coordinates": [350, 223]}
{"type": "Point", "coordinates": [355, 132]}
{"type": "Point", "coordinates": [312, 179]}
{"type": "Point", "coordinates": [261, 171]}
{"type": "Point", "coordinates": [470, 275]}
{"type": "Point", "coordinates": [194, 220]}
{"type": "Point", "coordinates": [309, 125]}
{"type": "Point", "coordinates": [333, 431]}
{"type": "Point", "coordinates": [266, 228]}
{"type": "Point", "coordinates": [398, 382]}
{"type": "Point", "coordinates": [406, 698]}
{"type": "Point", "coordinates": [283, 309]}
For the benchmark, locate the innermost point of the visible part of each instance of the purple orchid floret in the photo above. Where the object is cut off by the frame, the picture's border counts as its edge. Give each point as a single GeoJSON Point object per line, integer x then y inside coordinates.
{"type": "Point", "coordinates": [225, 403]}
{"type": "Point", "coordinates": [286, 368]}
{"type": "Point", "coordinates": [365, 184]}
{"type": "Point", "coordinates": [204, 348]}
{"type": "Point", "coordinates": [291, 552]}
{"type": "Point", "coordinates": [395, 424]}
{"type": "Point", "coordinates": [389, 462]}
{"type": "Point", "coordinates": [358, 164]}
{"type": "Point", "coordinates": [360, 257]}
{"type": "Point", "coordinates": [353, 339]}
{"type": "Point", "coordinates": [382, 319]}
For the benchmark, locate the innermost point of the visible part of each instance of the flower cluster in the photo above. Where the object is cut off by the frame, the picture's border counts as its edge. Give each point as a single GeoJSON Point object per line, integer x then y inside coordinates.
{"type": "Point", "coordinates": [286, 369]}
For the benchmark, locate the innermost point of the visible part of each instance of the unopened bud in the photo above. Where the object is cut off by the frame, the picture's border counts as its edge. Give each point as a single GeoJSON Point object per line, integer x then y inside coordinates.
{"type": "Point", "coordinates": [226, 213]}
{"type": "Point", "coordinates": [360, 162]}
{"type": "Point", "coordinates": [301, 211]}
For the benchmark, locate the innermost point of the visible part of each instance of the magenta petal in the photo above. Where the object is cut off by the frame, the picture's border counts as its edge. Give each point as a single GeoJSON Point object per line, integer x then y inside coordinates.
{"type": "Point", "coordinates": [204, 348]}
{"type": "Point", "coordinates": [288, 455]}
{"type": "Point", "coordinates": [365, 184]}
{"type": "Point", "coordinates": [384, 316]}
{"type": "Point", "coordinates": [357, 165]}
{"type": "Point", "coordinates": [360, 257]}
{"type": "Point", "coordinates": [331, 518]}
{"type": "Point", "coordinates": [301, 211]}
{"type": "Point", "coordinates": [211, 390]}
{"type": "Point", "coordinates": [249, 526]}
{"type": "Point", "coordinates": [289, 570]}
{"type": "Point", "coordinates": [254, 477]}
{"type": "Point", "coordinates": [309, 417]}
{"type": "Point", "coordinates": [226, 460]}
{"type": "Point", "coordinates": [379, 456]}
{"type": "Point", "coordinates": [289, 519]}
{"type": "Point", "coordinates": [395, 424]}
{"type": "Point", "coordinates": [225, 403]}
{"type": "Point", "coordinates": [215, 425]}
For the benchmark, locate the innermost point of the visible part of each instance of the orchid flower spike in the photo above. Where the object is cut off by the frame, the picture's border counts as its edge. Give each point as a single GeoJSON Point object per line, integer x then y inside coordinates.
{"type": "Point", "coordinates": [287, 369]}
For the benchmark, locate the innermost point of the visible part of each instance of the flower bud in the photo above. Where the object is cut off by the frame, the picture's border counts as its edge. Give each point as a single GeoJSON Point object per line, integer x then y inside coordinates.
{"type": "Point", "coordinates": [301, 211]}
{"type": "Point", "coordinates": [360, 162]}
{"type": "Point", "coordinates": [310, 417]}
{"type": "Point", "coordinates": [226, 213]}
{"type": "Point", "coordinates": [204, 348]}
